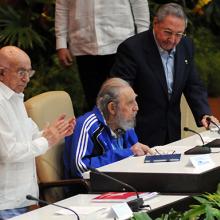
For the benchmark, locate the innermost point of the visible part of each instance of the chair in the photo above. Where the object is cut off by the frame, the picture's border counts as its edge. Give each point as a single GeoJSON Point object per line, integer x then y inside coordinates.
{"type": "Point", "coordinates": [45, 108]}
{"type": "Point", "coordinates": [187, 119]}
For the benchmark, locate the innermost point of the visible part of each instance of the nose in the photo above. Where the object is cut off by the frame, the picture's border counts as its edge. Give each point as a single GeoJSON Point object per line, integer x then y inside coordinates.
{"type": "Point", "coordinates": [26, 78]}
{"type": "Point", "coordinates": [173, 38]}
{"type": "Point", "coordinates": [136, 108]}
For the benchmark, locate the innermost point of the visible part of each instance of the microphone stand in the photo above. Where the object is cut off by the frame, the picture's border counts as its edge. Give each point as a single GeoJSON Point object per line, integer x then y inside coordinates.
{"type": "Point", "coordinates": [30, 197]}
{"type": "Point", "coordinates": [187, 129]}
{"type": "Point", "coordinates": [134, 204]}
{"type": "Point", "coordinates": [197, 149]}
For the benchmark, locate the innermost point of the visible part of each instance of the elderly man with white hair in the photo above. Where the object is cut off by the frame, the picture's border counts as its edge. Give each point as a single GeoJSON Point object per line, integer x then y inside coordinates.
{"type": "Point", "coordinates": [20, 139]}
{"type": "Point", "coordinates": [106, 134]}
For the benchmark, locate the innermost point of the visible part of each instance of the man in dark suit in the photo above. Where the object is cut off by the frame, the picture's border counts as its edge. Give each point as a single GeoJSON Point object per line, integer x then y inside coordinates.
{"type": "Point", "coordinates": [159, 64]}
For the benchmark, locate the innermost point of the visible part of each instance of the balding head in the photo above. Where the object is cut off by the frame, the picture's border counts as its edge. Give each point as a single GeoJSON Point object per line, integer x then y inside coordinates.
{"type": "Point", "coordinates": [112, 85]}
{"type": "Point", "coordinates": [11, 55]}
{"type": "Point", "coordinates": [109, 92]}
{"type": "Point", "coordinates": [13, 60]}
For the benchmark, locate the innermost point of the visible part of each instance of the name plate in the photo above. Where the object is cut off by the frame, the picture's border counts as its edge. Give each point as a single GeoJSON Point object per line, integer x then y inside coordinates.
{"type": "Point", "coordinates": [121, 211]}
{"type": "Point", "coordinates": [202, 161]}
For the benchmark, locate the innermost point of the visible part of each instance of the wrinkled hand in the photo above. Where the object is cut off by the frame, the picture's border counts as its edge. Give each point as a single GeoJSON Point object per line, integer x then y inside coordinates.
{"type": "Point", "coordinates": [59, 129]}
{"type": "Point", "coordinates": [140, 149]}
{"type": "Point", "coordinates": [65, 57]}
{"type": "Point", "coordinates": [205, 122]}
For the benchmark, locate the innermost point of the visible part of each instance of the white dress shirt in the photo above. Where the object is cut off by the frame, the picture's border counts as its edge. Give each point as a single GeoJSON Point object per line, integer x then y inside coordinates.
{"type": "Point", "coordinates": [97, 27]}
{"type": "Point", "coordinates": [20, 143]}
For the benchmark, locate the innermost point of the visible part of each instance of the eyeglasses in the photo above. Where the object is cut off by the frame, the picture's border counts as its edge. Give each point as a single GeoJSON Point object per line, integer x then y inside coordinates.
{"type": "Point", "coordinates": [164, 152]}
{"type": "Point", "coordinates": [169, 34]}
{"type": "Point", "coordinates": [23, 72]}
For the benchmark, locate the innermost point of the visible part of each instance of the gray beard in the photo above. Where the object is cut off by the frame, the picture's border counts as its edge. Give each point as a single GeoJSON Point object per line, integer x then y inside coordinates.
{"type": "Point", "coordinates": [124, 124]}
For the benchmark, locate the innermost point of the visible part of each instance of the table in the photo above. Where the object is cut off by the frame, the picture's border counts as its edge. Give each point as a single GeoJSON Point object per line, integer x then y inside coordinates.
{"type": "Point", "coordinates": [169, 177]}
{"type": "Point", "coordinates": [47, 212]}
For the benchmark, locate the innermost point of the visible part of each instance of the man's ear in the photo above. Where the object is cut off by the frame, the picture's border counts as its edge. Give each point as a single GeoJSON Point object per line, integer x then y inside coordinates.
{"type": "Point", "coordinates": [112, 108]}
{"type": "Point", "coordinates": [155, 21]}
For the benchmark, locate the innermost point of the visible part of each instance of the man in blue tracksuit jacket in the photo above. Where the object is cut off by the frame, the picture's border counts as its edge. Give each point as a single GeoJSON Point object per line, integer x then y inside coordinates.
{"type": "Point", "coordinates": [104, 135]}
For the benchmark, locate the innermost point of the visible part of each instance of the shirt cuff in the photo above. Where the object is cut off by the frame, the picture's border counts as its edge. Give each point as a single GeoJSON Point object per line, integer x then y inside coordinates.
{"type": "Point", "coordinates": [42, 144]}
{"type": "Point", "coordinates": [61, 43]}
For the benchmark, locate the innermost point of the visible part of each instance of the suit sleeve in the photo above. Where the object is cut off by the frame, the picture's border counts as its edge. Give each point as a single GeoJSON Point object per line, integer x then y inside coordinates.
{"type": "Point", "coordinates": [125, 66]}
{"type": "Point", "coordinates": [195, 91]}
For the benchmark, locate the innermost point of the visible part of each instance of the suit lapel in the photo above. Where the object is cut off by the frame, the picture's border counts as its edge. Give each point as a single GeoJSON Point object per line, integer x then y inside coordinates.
{"type": "Point", "coordinates": [155, 62]}
{"type": "Point", "coordinates": [179, 65]}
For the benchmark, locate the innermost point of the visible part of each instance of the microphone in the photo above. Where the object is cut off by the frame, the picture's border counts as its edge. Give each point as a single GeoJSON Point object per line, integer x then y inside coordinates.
{"type": "Point", "coordinates": [195, 132]}
{"type": "Point", "coordinates": [209, 120]}
{"type": "Point", "coordinates": [197, 149]}
{"type": "Point", "coordinates": [30, 197]}
{"type": "Point", "coordinates": [135, 204]}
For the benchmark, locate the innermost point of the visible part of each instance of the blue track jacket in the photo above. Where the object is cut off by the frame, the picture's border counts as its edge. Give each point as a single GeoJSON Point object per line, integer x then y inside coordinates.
{"type": "Point", "coordinates": [91, 145]}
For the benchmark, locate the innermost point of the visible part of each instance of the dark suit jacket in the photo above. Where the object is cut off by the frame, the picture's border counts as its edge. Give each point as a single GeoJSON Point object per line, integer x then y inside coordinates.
{"type": "Point", "coordinates": [159, 119]}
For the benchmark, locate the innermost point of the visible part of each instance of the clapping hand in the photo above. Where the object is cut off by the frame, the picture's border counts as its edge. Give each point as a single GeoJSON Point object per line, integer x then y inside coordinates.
{"type": "Point", "coordinates": [59, 129]}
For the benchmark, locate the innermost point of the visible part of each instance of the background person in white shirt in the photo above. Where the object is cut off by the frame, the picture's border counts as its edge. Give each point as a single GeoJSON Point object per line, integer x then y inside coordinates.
{"type": "Point", "coordinates": [91, 31]}
{"type": "Point", "coordinates": [20, 139]}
